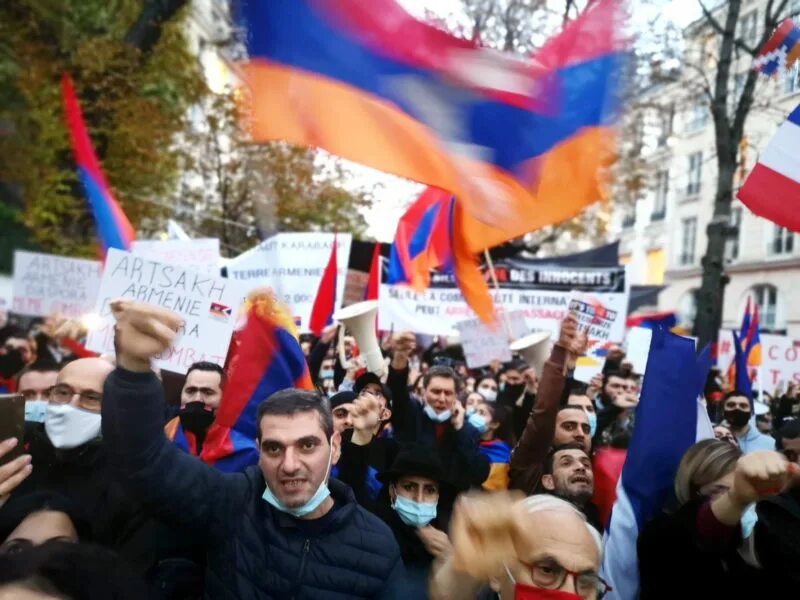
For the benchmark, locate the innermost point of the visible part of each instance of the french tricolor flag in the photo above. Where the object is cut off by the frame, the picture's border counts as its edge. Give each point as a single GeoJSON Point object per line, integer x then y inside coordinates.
{"type": "Point", "coordinates": [669, 419]}
{"type": "Point", "coordinates": [772, 190]}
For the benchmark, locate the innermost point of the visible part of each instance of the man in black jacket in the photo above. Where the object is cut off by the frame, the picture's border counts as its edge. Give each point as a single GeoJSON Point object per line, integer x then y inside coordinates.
{"type": "Point", "coordinates": [274, 531]}
{"type": "Point", "coordinates": [439, 422]}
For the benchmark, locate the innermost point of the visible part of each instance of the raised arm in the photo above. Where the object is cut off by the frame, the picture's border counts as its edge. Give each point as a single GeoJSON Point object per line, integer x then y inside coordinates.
{"type": "Point", "coordinates": [172, 484]}
{"type": "Point", "coordinates": [534, 444]}
{"type": "Point", "coordinates": [403, 413]}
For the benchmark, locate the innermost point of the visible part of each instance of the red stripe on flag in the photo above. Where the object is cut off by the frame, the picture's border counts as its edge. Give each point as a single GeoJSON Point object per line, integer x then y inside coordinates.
{"type": "Point", "coordinates": [773, 196]}
{"type": "Point", "coordinates": [373, 283]}
{"type": "Point", "coordinates": [325, 302]}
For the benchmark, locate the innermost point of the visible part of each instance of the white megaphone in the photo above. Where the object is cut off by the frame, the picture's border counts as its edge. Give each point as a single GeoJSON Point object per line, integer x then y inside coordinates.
{"type": "Point", "coordinates": [534, 349]}
{"type": "Point", "coordinates": [360, 320]}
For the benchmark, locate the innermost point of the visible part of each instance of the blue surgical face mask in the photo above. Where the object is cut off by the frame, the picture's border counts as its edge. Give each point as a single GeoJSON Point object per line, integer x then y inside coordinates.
{"type": "Point", "coordinates": [438, 417]}
{"type": "Point", "coordinates": [501, 386]}
{"type": "Point", "coordinates": [414, 514]}
{"type": "Point", "coordinates": [35, 410]}
{"type": "Point", "coordinates": [478, 422]}
{"type": "Point", "coordinates": [489, 394]}
{"type": "Point", "coordinates": [748, 520]}
{"type": "Point", "coordinates": [592, 422]}
{"type": "Point", "coordinates": [312, 504]}
{"type": "Point", "coordinates": [326, 374]}
{"type": "Point", "coordinates": [470, 411]}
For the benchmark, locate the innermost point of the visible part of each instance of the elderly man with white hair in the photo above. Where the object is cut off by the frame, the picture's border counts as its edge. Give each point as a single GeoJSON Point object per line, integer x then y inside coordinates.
{"type": "Point", "coordinates": [506, 548]}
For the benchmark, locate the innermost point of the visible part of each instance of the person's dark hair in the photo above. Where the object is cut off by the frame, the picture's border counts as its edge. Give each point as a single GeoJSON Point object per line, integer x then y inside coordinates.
{"type": "Point", "coordinates": [615, 373]}
{"type": "Point", "coordinates": [40, 366]}
{"type": "Point", "coordinates": [72, 571]}
{"type": "Point", "coordinates": [789, 431]}
{"type": "Point", "coordinates": [12, 331]}
{"type": "Point", "coordinates": [503, 415]}
{"type": "Point", "coordinates": [20, 506]}
{"type": "Point", "coordinates": [483, 377]}
{"type": "Point", "coordinates": [572, 387]}
{"type": "Point", "coordinates": [551, 456]}
{"type": "Point", "coordinates": [205, 365]}
{"type": "Point", "coordinates": [570, 407]}
{"type": "Point", "coordinates": [440, 371]}
{"type": "Point", "coordinates": [292, 401]}
{"type": "Point", "coordinates": [734, 394]}
{"type": "Point", "coordinates": [516, 364]}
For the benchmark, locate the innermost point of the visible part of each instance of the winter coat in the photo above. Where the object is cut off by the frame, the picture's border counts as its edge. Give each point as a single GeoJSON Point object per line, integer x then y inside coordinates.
{"type": "Point", "coordinates": [254, 550]}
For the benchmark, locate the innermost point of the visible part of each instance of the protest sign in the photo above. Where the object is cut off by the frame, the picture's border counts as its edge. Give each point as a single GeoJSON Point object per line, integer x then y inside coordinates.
{"type": "Point", "coordinates": [292, 265]}
{"type": "Point", "coordinates": [483, 344]}
{"type": "Point", "coordinates": [45, 284]}
{"type": "Point", "coordinates": [780, 358]}
{"type": "Point", "coordinates": [208, 306]}
{"type": "Point", "coordinates": [588, 366]}
{"type": "Point", "coordinates": [541, 293]}
{"type": "Point", "coordinates": [201, 255]}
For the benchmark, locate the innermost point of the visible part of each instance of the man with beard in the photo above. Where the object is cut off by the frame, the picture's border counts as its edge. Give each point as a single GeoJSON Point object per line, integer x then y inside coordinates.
{"type": "Point", "coordinates": [568, 475]}
{"type": "Point", "coordinates": [200, 398]}
{"type": "Point", "coordinates": [737, 412]}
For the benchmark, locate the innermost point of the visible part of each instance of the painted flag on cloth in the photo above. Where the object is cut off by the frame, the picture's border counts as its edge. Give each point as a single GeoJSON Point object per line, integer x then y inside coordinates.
{"type": "Point", "coordinates": [113, 228]}
{"type": "Point", "coordinates": [374, 280]}
{"type": "Point", "coordinates": [264, 358]}
{"type": "Point", "coordinates": [669, 419]}
{"type": "Point", "coordinates": [780, 51]}
{"type": "Point", "coordinates": [521, 144]}
{"type": "Point", "coordinates": [325, 301]}
{"type": "Point", "coordinates": [772, 189]}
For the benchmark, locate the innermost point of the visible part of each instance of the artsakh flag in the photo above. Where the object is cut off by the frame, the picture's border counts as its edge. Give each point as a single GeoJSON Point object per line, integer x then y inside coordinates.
{"type": "Point", "coordinates": [264, 358]}
{"type": "Point", "coordinates": [325, 302]}
{"type": "Point", "coordinates": [780, 51]}
{"type": "Point", "coordinates": [520, 144]}
{"type": "Point", "coordinates": [772, 190]}
{"type": "Point", "coordinates": [113, 228]}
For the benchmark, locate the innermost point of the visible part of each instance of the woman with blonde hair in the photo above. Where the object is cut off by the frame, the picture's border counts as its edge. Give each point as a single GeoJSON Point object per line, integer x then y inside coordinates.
{"type": "Point", "coordinates": [694, 546]}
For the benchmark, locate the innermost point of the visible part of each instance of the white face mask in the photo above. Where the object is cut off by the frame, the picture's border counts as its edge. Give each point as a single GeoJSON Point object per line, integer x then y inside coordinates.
{"type": "Point", "coordinates": [489, 394]}
{"type": "Point", "coordinates": [69, 427]}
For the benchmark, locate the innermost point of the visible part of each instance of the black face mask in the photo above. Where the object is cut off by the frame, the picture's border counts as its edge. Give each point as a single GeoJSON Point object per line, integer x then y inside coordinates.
{"type": "Point", "coordinates": [11, 363]}
{"type": "Point", "coordinates": [196, 418]}
{"type": "Point", "coordinates": [737, 418]}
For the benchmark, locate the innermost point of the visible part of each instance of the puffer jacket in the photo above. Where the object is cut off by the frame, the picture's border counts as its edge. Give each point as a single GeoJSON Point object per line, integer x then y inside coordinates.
{"type": "Point", "coordinates": [254, 550]}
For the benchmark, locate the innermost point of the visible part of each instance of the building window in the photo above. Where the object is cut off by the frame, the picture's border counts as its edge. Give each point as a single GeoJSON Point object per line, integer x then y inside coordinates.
{"type": "Point", "coordinates": [748, 28]}
{"type": "Point", "coordinates": [732, 243]}
{"type": "Point", "coordinates": [665, 124]}
{"type": "Point", "coordinates": [688, 241]}
{"type": "Point", "coordinates": [695, 174]}
{"type": "Point", "coordinates": [791, 79]}
{"type": "Point", "coordinates": [687, 310]}
{"type": "Point", "coordinates": [698, 116]}
{"type": "Point", "coordinates": [766, 296]}
{"type": "Point", "coordinates": [660, 196]}
{"type": "Point", "coordinates": [629, 219]}
{"type": "Point", "coordinates": [782, 241]}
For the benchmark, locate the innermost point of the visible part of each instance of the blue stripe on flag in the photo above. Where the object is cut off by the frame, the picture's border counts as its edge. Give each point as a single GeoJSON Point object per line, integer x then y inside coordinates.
{"type": "Point", "coordinates": [795, 116]}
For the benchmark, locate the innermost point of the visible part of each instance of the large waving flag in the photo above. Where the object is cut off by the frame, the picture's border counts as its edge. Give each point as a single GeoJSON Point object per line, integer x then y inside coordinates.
{"type": "Point", "coordinates": [772, 189]}
{"type": "Point", "coordinates": [519, 143]}
{"type": "Point", "coordinates": [325, 301]}
{"type": "Point", "coordinates": [113, 228]}
{"type": "Point", "coordinates": [422, 240]}
{"type": "Point", "coordinates": [780, 51]}
{"type": "Point", "coordinates": [265, 357]}
{"type": "Point", "coordinates": [669, 419]}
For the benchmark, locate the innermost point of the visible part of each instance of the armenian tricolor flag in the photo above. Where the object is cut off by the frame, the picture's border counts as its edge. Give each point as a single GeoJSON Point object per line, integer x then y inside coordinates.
{"type": "Point", "coordinates": [325, 301]}
{"type": "Point", "coordinates": [113, 228]}
{"type": "Point", "coordinates": [519, 143]}
{"type": "Point", "coordinates": [265, 357]}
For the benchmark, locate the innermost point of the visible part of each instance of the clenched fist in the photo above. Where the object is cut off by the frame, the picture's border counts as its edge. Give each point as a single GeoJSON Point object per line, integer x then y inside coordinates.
{"type": "Point", "coordinates": [142, 331]}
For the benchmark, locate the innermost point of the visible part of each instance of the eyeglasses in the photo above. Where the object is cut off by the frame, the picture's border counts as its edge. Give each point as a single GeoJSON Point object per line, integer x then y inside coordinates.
{"type": "Point", "coordinates": [87, 400]}
{"type": "Point", "coordinates": [550, 575]}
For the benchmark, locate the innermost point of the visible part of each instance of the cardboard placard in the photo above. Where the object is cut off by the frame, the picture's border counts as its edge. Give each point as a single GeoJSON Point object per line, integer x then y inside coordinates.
{"type": "Point", "coordinates": [208, 305]}
{"type": "Point", "coordinates": [200, 255]}
{"type": "Point", "coordinates": [45, 284]}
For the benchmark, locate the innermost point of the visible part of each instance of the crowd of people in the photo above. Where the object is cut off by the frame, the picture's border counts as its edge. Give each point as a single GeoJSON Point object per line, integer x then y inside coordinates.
{"type": "Point", "coordinates": [427, 480]}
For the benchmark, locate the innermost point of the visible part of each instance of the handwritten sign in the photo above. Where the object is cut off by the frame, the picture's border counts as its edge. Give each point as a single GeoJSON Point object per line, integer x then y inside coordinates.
{"type": "Point", "coordinates": [46, 284]}
{"type": "Point", "coordinates": [483, 344]}
{"type": "Point", "coordinates": [208, 306]}
{"type": "Point", "coordinates": [201, 255]}
{"type": "Point", "coordinates": [292, 265]}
